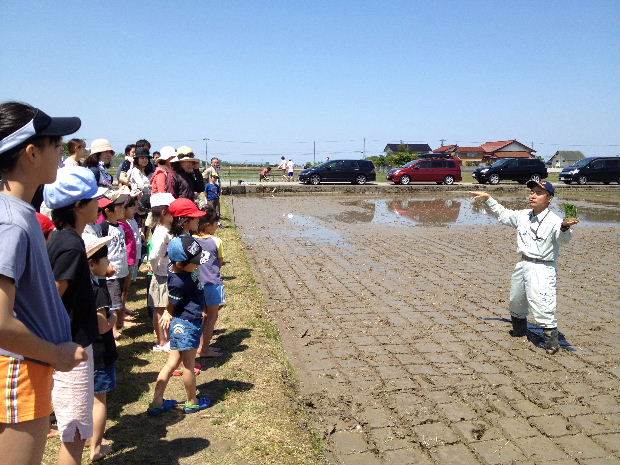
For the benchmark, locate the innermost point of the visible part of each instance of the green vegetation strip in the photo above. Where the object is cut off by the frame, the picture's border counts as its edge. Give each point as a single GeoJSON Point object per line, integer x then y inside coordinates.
{"type": "Point", "coordinates": [256, 418]}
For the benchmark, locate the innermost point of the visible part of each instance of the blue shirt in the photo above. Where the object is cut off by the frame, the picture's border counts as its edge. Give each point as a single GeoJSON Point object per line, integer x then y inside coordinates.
{"type": "Point", "coordinates": [211, 260]}
{"type": "Point", "coordinates": [184, 295]}
{"type": "Point", "coordinates": [213, 191]}
{"type": "Point", "coordinates": [24, 259]}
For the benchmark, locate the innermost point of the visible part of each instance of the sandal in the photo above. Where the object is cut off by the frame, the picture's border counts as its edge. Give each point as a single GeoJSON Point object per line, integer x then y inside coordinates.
{"type": "Point", "coordinates": [203, 403]}
{"type": "Point", "coordinates": [168, 404]}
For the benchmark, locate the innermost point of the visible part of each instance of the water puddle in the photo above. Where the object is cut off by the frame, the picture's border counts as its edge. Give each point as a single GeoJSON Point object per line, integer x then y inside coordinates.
{"type": "Point", "coordinates": [459, 211]}
{"type": "Point", "coordinates": [311, 229]}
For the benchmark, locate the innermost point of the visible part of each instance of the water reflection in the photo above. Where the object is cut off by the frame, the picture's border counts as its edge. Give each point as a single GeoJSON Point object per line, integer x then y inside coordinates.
{"type": "Point", "coordinates": [454, 211]}
{"type": "Point", "coordinates": [437, 212]}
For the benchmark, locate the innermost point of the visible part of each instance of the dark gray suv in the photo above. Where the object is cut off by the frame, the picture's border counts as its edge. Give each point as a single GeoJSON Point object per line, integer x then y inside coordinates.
{"type": "Point", "coordinates": [592, 169]}
{"type": "Point", "coordinates": [353, 171]}
{"type": "Point", "coordinates": [513, 169]}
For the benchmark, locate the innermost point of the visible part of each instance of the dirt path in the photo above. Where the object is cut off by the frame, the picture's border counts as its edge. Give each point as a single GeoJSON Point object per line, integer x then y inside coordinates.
{"type": "Point", "coordinates": [399, 335]}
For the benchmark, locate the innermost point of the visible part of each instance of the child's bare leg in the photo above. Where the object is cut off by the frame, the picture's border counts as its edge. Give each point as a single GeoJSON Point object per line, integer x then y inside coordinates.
{"type": "Point", "coordinates": [174, 357]}
{"type": "Point", "coordinates": [120, 321]}
{"type": "Point", "coordinates": [188, 358]}
{"type": "Point", "coordinates": [160, 334]}
{"type": "Point", "coordinates": [208, 326]}
{"type": "Point", "coordinates": [100, 414]}
{"type": "Point", "coordinates": [23, 443]}
{"type": "Point", "coordinates": [70, 453]}
{"type": "Point", "coordinates": [126, 284]}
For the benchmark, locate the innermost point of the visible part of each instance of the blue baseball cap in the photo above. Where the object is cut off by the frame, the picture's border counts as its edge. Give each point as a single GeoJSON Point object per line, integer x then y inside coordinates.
{"type": "Point", "coordinates": [184, 249]}
{"type": "Point", "coordinates": [546, 185]}
{"type": "Point", "coordinates": [73, 183]}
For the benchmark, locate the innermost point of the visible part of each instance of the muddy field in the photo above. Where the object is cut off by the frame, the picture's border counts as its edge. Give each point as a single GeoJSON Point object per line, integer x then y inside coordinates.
{"type": "Point", "coordinates": [394, 313]}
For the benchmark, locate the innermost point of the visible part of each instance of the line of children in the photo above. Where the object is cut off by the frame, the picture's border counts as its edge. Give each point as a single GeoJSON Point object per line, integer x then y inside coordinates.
{"type": "Point", "coordinates": [60, 310]}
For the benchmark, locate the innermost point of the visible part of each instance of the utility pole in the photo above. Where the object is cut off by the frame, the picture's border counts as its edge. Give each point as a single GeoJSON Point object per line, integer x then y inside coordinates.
{"type": "Point", "coordinates": [314, 152]}
{"type": "Point", "coordinates": [442, 141]}
{"type": "Point", "coordinates": [206, 150]}
{"type": "Point", "coordinates": [364, 148]}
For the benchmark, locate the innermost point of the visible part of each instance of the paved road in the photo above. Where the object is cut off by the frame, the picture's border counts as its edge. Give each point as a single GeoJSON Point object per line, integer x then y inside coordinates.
{"type": "Point", "coordinates": [399, 336]}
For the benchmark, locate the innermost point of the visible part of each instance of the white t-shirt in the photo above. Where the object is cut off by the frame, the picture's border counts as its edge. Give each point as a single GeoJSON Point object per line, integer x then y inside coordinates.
{"type": "Point", "coordinates": [138, 180]}
{"type": "Point", "coordinates": [117, 247]}
{"type": "Point", "coordinates": [158, 250]}
{"type": "Point", "coordinates": [282, 165]}
{"type": "Point", "coordinates": [290, 166]}
{"type": "Point", "coordinates": [70, 162]}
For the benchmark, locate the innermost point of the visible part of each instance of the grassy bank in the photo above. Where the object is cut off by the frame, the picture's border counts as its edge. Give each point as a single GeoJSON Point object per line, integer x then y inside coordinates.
{"type": "Point", "coordinates": [255, 419]}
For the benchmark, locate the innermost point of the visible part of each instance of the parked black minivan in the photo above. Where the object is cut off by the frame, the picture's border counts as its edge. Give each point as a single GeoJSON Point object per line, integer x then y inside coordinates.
{"type": "Point", "coordinates": [592, 169]}
{"type": "Point", "coordinates": [353, 171]}
{"type": "Point", "coordinates": [514, 169]}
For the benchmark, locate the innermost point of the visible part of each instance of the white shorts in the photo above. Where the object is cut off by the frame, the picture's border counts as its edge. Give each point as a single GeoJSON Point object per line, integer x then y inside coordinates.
{"type": "Point", "coordinates": [158, 292]}
{"type": "Point", "coordinates": [72, 398]}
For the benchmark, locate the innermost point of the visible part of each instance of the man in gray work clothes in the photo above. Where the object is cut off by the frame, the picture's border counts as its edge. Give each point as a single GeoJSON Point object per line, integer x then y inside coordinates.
{"type": "Point", "coordinates": [539, 235]}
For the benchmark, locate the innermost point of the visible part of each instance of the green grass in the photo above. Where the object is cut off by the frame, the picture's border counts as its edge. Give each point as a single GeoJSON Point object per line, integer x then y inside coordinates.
{"type": "Point", "coordinates": [256, 419]}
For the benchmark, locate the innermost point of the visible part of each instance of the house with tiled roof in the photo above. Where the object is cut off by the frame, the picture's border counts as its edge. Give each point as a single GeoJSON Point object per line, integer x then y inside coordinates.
{"type": "Point", "coordinates": [470, 153]}
{"type": "Point", "coordinates": [446, 148]}
{"type": "Point", "coordinates": [488, 151]}
{"type": "Point", "coordinates": [506, 149]}
{"type": "Point", "coordinates": [408, 148]}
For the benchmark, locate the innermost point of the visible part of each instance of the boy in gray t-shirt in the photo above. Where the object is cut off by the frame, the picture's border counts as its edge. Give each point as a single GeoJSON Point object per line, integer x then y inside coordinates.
{"type": "Point", "coordinates": [35, 335]}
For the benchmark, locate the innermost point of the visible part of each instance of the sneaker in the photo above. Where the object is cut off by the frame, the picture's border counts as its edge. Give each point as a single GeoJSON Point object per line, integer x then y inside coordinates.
{"type": "Point", "coordinates": [157, 348]}
{"type": "Point", "coordinates": [203, 403]}
{"type": "Point", "coordinates": [168, 404]}
{"type": "Point", "coordinates": [166, 347]}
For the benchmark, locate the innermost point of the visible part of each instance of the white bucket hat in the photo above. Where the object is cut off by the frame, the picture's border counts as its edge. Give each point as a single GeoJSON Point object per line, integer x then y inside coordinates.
{"type": "Point", "coordinates": [93, 243]}
{"type": "Point", "coordinates": [100, 145]}
{"type": "Point", "coordinates": [184, 150]}
{"type": "Point", "coordinates": [167, 153]}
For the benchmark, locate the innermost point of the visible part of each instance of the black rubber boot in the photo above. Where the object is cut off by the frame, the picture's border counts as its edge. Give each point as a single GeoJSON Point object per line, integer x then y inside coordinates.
{"type": "Point", "coordinates": [552, 344]}
{"type": "Point", "coordinates": [519, 327]}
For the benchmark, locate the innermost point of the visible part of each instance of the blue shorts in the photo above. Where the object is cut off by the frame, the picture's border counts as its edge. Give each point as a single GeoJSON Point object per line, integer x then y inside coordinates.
{"type": "Point", "coordinates": [184, 335]}
{"type": "Point", "coordinates": [105, 379]}
{"type": "Point", "coordinates": [214, 294]}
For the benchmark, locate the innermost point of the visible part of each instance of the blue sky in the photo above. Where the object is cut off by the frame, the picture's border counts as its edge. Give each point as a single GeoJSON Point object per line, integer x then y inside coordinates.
{"type": "Point", "coordinates": [266, 78]}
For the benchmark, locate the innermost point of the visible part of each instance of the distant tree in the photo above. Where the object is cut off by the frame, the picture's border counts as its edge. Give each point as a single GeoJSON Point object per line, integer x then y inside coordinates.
{"type": "Point", "coordinates": [377, 160]}
{"type": "Point", "coordinates": [400, 158]}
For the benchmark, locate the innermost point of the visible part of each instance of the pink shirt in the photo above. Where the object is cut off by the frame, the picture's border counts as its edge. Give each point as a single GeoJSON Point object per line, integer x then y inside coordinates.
{"type": "Point", "coordinates": [130, 241]}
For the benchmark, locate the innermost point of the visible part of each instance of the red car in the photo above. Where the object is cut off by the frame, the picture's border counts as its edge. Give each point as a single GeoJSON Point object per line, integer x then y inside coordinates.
{"type": "Point", "coordinates": [440, 171]}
